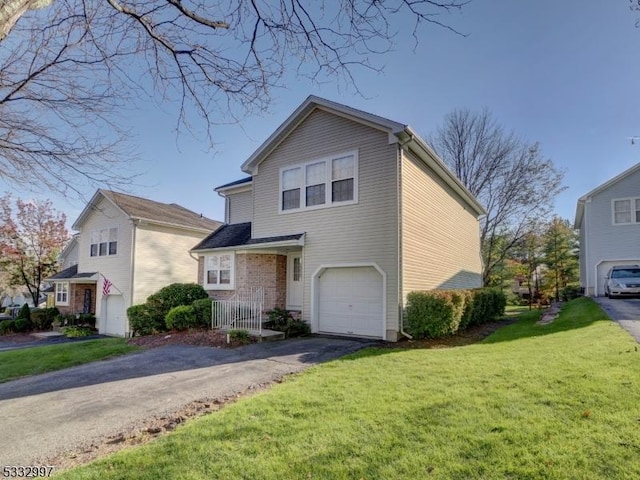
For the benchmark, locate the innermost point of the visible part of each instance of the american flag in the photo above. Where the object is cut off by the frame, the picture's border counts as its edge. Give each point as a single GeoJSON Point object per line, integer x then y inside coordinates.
{"type": "Point", "coordinates": [106, 286]}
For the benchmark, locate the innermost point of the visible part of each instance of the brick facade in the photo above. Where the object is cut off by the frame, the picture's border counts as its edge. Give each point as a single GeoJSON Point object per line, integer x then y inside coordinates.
{"type": "Point", "coordinates": [76, 299]}
{"type": "Point", "coordinates": [255, 270]}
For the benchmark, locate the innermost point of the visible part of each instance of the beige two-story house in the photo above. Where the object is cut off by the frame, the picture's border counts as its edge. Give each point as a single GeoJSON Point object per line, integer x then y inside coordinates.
{"type": "Point", "coordinates": [126, 248]}
{"type": "Point", "coordinates": [342, 215]}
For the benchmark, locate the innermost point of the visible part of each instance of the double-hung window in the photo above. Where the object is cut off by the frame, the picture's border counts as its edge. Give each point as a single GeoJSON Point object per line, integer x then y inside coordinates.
{"type": "Point", "coordinates": [325, 182]}
{"type": "Point", "coordinates": [219, 272]}
{"type": "Point", "coordinates": [62, 293]}
{"type": "Point", "coordinates": [104, 242]}
{"type": "Point", "coordinates": [626, 211]}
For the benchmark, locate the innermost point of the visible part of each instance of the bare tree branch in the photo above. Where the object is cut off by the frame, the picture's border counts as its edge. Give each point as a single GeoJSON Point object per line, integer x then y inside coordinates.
{"type": "Point", "coordinates": [509, 177]}
{"type": "Point", "coordinates": [69, 71]}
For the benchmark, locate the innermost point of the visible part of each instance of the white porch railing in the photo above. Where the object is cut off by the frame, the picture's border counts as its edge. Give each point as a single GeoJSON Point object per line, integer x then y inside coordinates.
{"type": "Point", "coordinates": [237, 315]}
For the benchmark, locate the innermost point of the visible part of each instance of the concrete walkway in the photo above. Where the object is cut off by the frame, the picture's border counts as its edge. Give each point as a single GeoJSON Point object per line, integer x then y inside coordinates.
{"type": "Point", "coordinates": [625, 311]}
{"type": "Point", "coordinates": [47, 415]}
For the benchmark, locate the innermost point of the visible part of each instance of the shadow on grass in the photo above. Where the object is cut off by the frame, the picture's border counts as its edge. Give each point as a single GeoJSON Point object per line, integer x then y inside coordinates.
{"type": "Point", "coordinates": [578, 313]}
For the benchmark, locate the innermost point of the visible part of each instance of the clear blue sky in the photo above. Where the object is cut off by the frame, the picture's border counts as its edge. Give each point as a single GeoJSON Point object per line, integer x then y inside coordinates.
{"type": "Point", "coordinates": [564, 73]}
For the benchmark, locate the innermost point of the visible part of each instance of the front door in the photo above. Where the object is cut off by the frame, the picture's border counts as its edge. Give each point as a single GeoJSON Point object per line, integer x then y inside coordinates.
{"type": "Point", "coordinates": [294, 281]}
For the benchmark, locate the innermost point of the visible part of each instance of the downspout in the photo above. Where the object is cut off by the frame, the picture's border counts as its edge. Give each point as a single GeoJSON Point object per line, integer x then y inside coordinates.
{"type": "Point", "coordinates": [586, 254]}
{"type": "Point", "coordinates": [131, 276]}
{"type": "Point", "coordinates": [399, 213]}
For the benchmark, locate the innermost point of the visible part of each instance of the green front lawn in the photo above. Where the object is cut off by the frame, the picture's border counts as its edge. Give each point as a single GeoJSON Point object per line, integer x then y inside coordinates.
{"type": "Point", "coordinates": [530, 402]}
{"type": "Point", "coordinates": [35, 360]}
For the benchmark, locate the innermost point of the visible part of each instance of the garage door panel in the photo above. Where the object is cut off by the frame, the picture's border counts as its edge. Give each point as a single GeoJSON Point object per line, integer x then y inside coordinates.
{"type": "Point", "coordinates": [351, 301]}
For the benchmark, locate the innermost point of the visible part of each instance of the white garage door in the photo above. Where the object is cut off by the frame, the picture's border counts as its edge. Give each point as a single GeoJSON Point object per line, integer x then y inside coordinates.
{"type": "Point", "coordinates": [603, 270]}
{"type": "Point", "coordinates": [114, 317]}
{"type": "Point", "coordinates": [350, 301]}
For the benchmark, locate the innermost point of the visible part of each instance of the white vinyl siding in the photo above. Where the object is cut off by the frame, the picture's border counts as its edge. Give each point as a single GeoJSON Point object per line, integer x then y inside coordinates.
{"type": "Point", "coordinates": [440, 235]}
{"type": "Point", "coordinates": [117, 268]}
{"type": "Point", "coordinates": [323, 182]}
{"type": "Point", "coordinates": [359, 232]}
{"type": "Point", "coordinates": [162, 258]}
{"type": "Point", "coordinates": [240, 207]}
{"type": "Point", "coordinates": [605, 240]}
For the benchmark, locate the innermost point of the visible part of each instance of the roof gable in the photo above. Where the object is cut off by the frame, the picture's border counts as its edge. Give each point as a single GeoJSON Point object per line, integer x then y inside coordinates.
{"type": "Point", "coordinates": [397, 132]}
{"type": "Point", "coordinates": [599, 189]}
{"type": "Point", "coordinates": [137, 208]}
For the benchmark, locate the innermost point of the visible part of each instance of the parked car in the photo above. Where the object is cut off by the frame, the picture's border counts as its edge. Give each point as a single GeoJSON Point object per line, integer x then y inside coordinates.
{"type": "Point", "coordinates": [622, 280]}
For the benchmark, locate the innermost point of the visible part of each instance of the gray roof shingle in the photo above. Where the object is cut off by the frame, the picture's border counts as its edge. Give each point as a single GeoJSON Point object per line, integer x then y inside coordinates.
{"type": "Point", "coordinates": [238, 235]}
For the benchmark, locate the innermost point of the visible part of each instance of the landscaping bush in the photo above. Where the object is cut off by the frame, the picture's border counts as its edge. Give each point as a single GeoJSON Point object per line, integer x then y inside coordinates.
{"type": "Point", "coordinates": [7, 326]}
{"type": "Point", "coordinates": [76, 331]}
{"type": "Point", "coordinates": [141, 321]}
{"type": "Point", "coordinates": [181, 317]}
{"type": "Point", "coordinates": [87, 319]}
{"type": "Point", "coordinates": [438, 313]}
{"type": "Point", "coordinates": [42, 318]}
{"type": "Point", "coordinates": [202, 309]}
{"type": "Point", "coordinates": [281, 320]}
{"type": "Point", "coordinates": [240, 336]}
{"type": "Point", "coordinates": [570, 292]}
{"type": "Point", "coordinates": [21, 325]}
{"type": "Point", "coordinates": [25, 312]}
{"type": "Point", "coordinates": [171, 296]}
{"type": "Point", "coordinates": [433, 314]}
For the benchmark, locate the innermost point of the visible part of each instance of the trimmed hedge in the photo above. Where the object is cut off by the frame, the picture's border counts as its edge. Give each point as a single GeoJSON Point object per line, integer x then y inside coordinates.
{"type": "Point", "coordinates": [42, 318]}
{"type": "Point", "coordinates": [141, 322]}
{"type": "Point", "coordinates": [182, 317]}
{"type": "Point", "coordinates": [171, 296]}
{"type": "Point", "coordinates": [202, 309]}
{"type": "Point", "coordinates": [438, 313]}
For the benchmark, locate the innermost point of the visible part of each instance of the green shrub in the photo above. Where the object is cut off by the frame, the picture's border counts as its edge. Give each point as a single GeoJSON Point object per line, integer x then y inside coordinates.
{"type": "Point", "coordinates": [202, 309]}
{"type": "Point", "coordinates": [7, 326]}
{"type": "Point", "coordinates": [171, 296]}
{"type": "Point", "coordinates": [433, 314]}
{"type": "Point", "coordinates": [570, 292]}
{"type": "Point", "coordinates": [21, 325]}
{"type": "Point", "coordinates": [181, 317]}
{"type": "Point", "coordinates": [88, 319]}
{"type": "Point", "coordinates": [281, 320]}
{"type": "Point", "coordinates": [42, 318]}
{"type": "Point", "coordinates": [488, 305]}
{"type": "Point", "coordinates": [25, 312]}
{"type": "Point", "coordinates": [141, 322]}
{"type": "Point", "coordinates": [240, 336]}
{"type": "Point", "coordinates": [75, 331]}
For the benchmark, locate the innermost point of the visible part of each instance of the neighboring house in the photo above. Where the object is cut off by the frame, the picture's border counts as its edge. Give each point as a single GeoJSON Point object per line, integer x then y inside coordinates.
{"type": "Point", "coordinates": [343, 214]}
{"type": "Point", "coordinates": [127, 248]}
{"type": "Point", "coordinates": [608, 218]}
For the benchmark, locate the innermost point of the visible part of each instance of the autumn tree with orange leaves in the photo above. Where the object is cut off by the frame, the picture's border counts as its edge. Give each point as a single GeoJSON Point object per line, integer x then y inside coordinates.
{"type": "Point", "coordinates": [32, 234]}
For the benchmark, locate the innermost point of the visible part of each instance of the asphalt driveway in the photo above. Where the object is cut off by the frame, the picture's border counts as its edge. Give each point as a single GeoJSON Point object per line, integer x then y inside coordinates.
{"type": "Point", "coordinates": [625, 311]}
{"type": "Point", "coordinates": [63, 412]}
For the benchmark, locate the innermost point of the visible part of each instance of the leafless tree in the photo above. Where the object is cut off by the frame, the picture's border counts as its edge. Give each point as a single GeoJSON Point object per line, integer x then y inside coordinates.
{"type": "Point", "coordinates": [69, 71]}
{"type": "Point", "coordinates": [510, 177]}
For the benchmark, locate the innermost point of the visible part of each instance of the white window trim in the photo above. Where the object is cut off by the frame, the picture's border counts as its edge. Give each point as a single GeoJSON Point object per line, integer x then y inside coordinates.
{"type": "Point", "coordinates": [632, 201]}
{"type": "Point", "coordinates": [328, 180]}
{"type": "Point", "coordinates": [217, 286]}
{"type": "Point", "coordinates": [61, 303]}
{"type": "Point", "coordinates": [117, 243]}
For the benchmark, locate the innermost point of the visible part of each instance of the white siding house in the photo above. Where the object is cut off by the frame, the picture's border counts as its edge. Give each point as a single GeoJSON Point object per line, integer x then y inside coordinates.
{"type": "Point", "coordinates": [345, 208]}
{"type": "Point", "coordinates": [608, 218]}
{"type": "Point", "coordinates": [133, 245]}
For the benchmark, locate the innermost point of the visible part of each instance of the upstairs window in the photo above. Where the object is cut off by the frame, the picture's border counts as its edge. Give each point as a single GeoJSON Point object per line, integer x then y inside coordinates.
{"type": "Point", "coordinates": [104, 242]}
{"type": "Point", "coordinates": [626, 211]}
{"type": "Point", "coordinates": [219, 272]}
{"type": "Point", "coordinates": [321, 183]}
